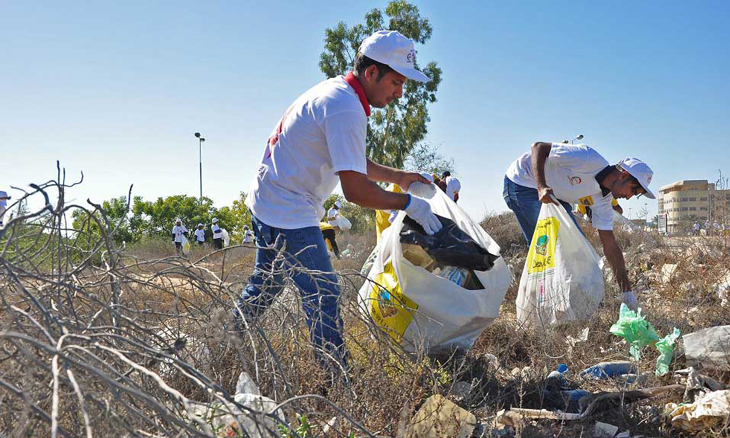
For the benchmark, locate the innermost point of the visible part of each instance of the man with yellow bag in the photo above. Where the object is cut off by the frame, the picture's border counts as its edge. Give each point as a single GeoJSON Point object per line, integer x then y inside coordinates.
{"type": "Point", "coordinates": [576, 174]}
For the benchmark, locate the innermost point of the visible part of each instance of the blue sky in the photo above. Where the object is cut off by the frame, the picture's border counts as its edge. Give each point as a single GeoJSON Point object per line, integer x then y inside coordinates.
{"type": "Point", "coordinates": [117, 89]}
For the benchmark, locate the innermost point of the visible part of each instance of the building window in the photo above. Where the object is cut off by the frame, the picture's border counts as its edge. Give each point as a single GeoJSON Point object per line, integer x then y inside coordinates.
{"type": "Point", "coordinates": [703, 199]}
{"type": "Point", "coordinates": [683, 200]}
{"type": "Point", "coordinates": [703, 208]}
{"type": "Point", "coordinates": [692, 199]}
{"type": "Point", "coordinates": [692, 208]}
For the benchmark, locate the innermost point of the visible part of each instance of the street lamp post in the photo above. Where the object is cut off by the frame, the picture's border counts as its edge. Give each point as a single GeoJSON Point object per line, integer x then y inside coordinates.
{"type": "Point", "coordinates": [200, 161]}
{"type": "Point", "coordinates": [579, 137]}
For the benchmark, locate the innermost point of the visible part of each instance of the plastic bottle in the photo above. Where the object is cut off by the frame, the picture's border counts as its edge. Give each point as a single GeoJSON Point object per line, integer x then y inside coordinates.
{"type": "Point", "coordinates": [606, 370]}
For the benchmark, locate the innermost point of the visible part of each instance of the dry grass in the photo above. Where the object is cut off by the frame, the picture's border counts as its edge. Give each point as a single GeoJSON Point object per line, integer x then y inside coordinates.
{"type": "Point", "coordinates": [143, 312]}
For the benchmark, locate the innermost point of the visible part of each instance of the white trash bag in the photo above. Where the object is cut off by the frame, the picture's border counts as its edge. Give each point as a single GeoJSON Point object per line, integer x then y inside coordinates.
{"type": "Point", "coordinates": [343, 223]}
{"type": "Point", "coordinates": [421, 309]}
{"type": "Point", "coordinates": [562, 278]}
{"type": "Point", "coordinates": [225, 236]}
{"type": "Point", "coordinates": [185, 243]}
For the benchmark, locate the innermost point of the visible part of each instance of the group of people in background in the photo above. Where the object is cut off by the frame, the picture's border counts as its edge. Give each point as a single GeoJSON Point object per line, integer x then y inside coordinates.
{"type": "Point", "coordinates": [179, 231]}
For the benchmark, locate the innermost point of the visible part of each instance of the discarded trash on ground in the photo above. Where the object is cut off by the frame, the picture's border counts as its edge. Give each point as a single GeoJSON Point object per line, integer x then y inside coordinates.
{"type": "Point", "coordinates": [709, 411]}
{"type": "Point", "coordinates": [708, 348]}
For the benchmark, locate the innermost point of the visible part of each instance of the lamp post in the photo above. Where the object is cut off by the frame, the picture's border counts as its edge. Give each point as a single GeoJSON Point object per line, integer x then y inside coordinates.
{"type": "Point", "coordinates": [579, 137]}
{"type": "Point", "coordinates": [200, 162]}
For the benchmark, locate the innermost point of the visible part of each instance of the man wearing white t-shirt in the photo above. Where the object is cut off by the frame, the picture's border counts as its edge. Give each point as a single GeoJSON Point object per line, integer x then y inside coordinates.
{"type": "Point", "coordinates": [200, 235]}
{"type": "Point", "coordinates": [319, 142]}
{"type": "Point", "coordinates": [178, 231]}
{"type": "Point", "coordinates": [453, 186]}
{"type": "Point", "coordinates": [217, 234]}
{"type": "Point", "coordinates": [247, 234]}
{"type": "Point", "coordinates": [576, 174]}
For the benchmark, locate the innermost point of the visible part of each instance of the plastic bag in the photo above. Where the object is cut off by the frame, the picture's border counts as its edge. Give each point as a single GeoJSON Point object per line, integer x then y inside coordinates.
{"type": "Point", "coordinates": [450, 246]}
{"type": "Point", "coordinates": [635, 329]}
{"type": "Point", "coordinates": [708, 348]}
{"type": "Point", "coordinates": [343, 223]}
{"type": "Point", "coordinates": [666, 352]}
{"type": "Point", "coordinates": [185, 245]}
{"type": "Point", "coordinates": [562, 278]}
{"type": "Point", "coordinates": [421, 309]}
{"type": "Point", "coordinates": [226, 237]}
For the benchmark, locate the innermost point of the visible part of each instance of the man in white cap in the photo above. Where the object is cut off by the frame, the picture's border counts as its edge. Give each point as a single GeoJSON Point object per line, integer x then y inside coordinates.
{"type": "Point", "coordinates": [319, 142]}
{"type": "Point", "coordinates": [178, 231]}
{"type": "Point", "coordinates": [576, 174]}
{"type": "Point", "coordinates": [333, 214]}
{"type": "Point", "coordinates": [3, 205]}
{"type": "Point", "coordinates": [217, 234]}
{"type": "Point", "coordinates": [200, 235]}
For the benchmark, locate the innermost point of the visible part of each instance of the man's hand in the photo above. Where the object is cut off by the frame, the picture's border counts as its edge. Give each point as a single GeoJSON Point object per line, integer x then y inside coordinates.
{"type": "Point", "coordinates": [420, 211]}
{"type": "Point", "coordinates": [406, 178]}
{"type": "Point", "coordinates": [546, 196]}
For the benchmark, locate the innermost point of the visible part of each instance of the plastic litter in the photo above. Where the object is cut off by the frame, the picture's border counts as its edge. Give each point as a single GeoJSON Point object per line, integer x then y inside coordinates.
{"type": "Point", "coordinates": [666, 352]}
{"type": "Point", "coordinates": [607, 370]}
{"type": "Point", "coordinates": [638, 332]}
{"type": "Point", "coordinates": [635, 329]}
{"type": "Point", "coordinates": [708, 348]}
{"type": "Point", "coordinates": [450, 246]}
{"type": "Point", "coordinates": [709, 411]}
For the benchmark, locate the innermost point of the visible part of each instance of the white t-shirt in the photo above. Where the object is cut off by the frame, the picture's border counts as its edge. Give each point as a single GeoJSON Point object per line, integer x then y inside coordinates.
{"type": "Point", "coordinates": [453, 185]}
{"type": "Point", "coordinates": [570, 170]}
{"type": "Point", "coordinates": [200, 235]}
{"type": "Point", "coordinates": [247, 236]}
{"type": "Point", "coordinates": [322, 133]}
{"type": "Point", "coordinates": [217, 232]}
{"type": "Point", "coordinates": [178, 231]}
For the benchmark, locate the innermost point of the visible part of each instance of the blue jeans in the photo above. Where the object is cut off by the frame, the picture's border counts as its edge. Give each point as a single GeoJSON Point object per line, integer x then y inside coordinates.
{"type": "Point", "coordinates": [300, 254]}
{"type": "Point", "coordinates": [523, 201]}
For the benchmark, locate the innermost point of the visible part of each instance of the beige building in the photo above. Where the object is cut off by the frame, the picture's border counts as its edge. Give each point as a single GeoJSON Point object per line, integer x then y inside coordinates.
{"type": "Point", "coordinates": [687, 201]}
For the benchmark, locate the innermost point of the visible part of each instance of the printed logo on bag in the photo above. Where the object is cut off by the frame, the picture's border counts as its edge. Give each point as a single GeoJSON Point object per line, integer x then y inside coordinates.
{"type": "Point", "coordinates": [541, 256]}
{"type": "Point", "coordinates": [389, 307]}
{"type": "Point", "coordinates": [586, 200]}
{"type": "Point", "coordinates": [575, 180]}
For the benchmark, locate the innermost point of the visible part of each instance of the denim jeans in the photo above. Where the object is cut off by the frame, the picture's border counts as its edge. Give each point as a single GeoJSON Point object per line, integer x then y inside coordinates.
{"type": "Point", "coordinates": [299, 254]}
{"type": "Point", "coordinates": [523, 201]}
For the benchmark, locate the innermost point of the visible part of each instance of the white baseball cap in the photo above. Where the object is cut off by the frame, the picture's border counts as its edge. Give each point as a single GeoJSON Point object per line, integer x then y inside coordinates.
{"type": "Point", "coordinates": [337, 204]}
{"type": "Point", "coordinates": [215, 220]}
{"type": "Point", "coordinates": [639, 170]}
{"type": "Point", "coordinates": [200, 225]}
{"type": "Point", "coordinates": [4, 195]}
{"type": "Point", "coordinates": [394, 50]}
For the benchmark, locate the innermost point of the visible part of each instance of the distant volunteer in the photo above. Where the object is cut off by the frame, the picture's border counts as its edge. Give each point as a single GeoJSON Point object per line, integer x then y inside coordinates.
{"type": "Point", "coordinates": [318, 143]}
{"type": "Point", "coordinates": [453, 186]}
{"type": "Point", "coordinates": [333, 214]}
{"type": "Point", "coordinates": [200, 235]}
{"type": "Point", "coordinates": [217, 234]}
{"type": "Point", "coordinates": [576, 174]}
{"type": "Point", "coordinates": [3, 205]}
{"type": "Point", "coordinates": [247, 234]}
{"type": "Point", "coordinates": [178, 231]}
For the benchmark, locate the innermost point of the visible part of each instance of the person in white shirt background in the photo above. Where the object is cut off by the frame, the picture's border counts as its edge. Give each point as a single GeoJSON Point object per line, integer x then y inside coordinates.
{"type": "Point", "coordinates": [217, 234]}
{"type": "Point", "coordinates": [178, 231]}
{"type": "Point", "coordinates": [576, 174]}
{"type": "Point", "coordinates": [247, 234]}
{"type": "Point", "coordinates": [453, 186]}
{"type": "Point", "coordinates": [3, 205]}
{"type": "Point", "coordinates": [333, 214]}
{"type": "Point", "coordinates": [319, 142]}
{"type": "Point", "coordinates": [200, 235]}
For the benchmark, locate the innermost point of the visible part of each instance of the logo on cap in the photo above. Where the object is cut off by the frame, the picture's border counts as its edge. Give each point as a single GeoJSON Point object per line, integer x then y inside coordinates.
{"type": "Point", "coordinates": [411, 57]}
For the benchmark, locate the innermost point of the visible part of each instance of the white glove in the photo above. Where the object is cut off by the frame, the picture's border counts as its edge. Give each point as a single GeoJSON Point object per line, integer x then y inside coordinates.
{"type": "Point", "coordinates": [630, 300]}
{"type": "Point", "coordinates": [427, 175]}
{"type": "Point", "coordinates": [420, 211]}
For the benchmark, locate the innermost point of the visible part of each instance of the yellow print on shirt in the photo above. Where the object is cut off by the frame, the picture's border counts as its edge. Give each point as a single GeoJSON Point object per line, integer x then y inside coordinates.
{"type": "Point", "coordinates": [542, 248]}
{"type": "Point", "coordinates": [586, 200]}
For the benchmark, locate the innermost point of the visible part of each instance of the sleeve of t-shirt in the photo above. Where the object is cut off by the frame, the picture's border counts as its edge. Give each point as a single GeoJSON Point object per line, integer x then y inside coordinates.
{"type": "Point", "coordinates": [579, 158]}
{"type": "Point", "coordinates": [345, 133]}
{"type": "Point", "coordinates": [603, 214]}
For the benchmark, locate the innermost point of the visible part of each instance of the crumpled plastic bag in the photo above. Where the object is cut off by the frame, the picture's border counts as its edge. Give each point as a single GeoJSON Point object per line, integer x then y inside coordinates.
{"type": "Point", "coordinates": [450, 246]}
{"type": "Point", "coordinates": [666, 352]}
{"type": "Point", "coordinates": [635, 329]}
{"type": "Point", "coordinates": [709, 411]}
{"type": "Point", "coordinates": [638, 332]}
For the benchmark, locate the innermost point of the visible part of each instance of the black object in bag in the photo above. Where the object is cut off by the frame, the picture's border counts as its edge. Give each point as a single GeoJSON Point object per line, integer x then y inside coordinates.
{"type": "Point", "coordinates": [450, 246]}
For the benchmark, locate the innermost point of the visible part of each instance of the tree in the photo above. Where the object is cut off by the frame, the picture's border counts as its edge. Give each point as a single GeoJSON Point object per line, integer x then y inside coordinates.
{"type": "Point", "coordinates": [426, 158]}
{"type": "Point", "coordinates": [235, 217]}
{"type": "Point", "coordinates": [394, 131]}
{"type": "Point", "coordinates": [158, 217]}
{"type": "Point", "coordinates": [116, 211]}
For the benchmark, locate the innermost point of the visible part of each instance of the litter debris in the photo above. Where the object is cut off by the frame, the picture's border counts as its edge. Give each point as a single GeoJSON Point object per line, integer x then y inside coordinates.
{"type": "Point", "coordinates": [581, 338]}
{"type": "Point", "coordinates": [604, 430]}
{"type": "Point", "coordinates": [667, 272]}
{"type": "Point", "coordinates": [698, 384]}
{"type": "Point", "coordinates": [708, 348]}
{"type": "Point", "coordinates": [723, 290]}
{"type": "Point", "coordinates": [607, 370]}
{"type": "Point", "coordinates": [709, 411]}
{"type": "Point", "coordinates": [439, 417]}
{"type": "Point", "coordinates": [638, 332]}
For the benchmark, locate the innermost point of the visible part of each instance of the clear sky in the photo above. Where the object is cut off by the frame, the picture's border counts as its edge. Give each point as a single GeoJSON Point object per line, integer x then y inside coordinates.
{"type": "Point", "coordinates": [117, 89]}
